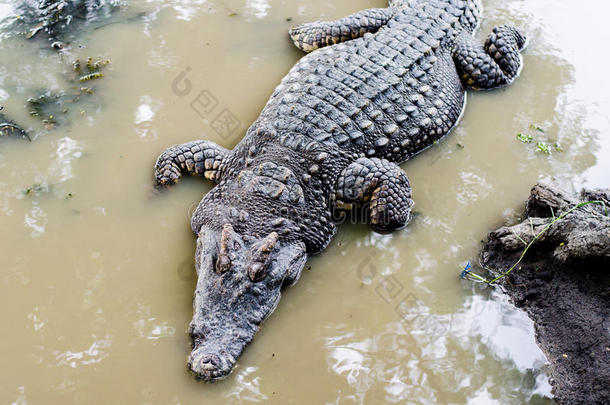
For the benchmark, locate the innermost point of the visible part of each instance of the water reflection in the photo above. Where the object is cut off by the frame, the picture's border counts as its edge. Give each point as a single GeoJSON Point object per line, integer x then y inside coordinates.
{"type": "Point", "coordinates": [95, 353]}
{"type": "Point", "coordinates": [68, 150]}
{"type": "Point", "coordinates": [20, 397]}
{"type": "Point", "coordinates": [144, 116]}
{"type": "Point", "coordinates": [472, 187]}
{"type": "Point", "coordinates": [154, 329]}
{"type": "Point", "coordinates": [246, 388]}
{"type": "Point", "coordinates": [507, 331]}
{"type": "Point", "coordinates": [187, 9]}
{"type": "Point", "coordinates": [36, 220]}
{"type": "Point", "coordinates": [5, 10]}
{"type": "Point", "coordinates": [433, 354]}
{"type": "Point", "coordinates": [34, 317]}
{"type": "Point", "coordinates": [259, 8]}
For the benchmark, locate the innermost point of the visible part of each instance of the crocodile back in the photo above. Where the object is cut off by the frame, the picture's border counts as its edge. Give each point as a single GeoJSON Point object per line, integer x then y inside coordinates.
{"type": "Point", "coordinates": [388, 94]}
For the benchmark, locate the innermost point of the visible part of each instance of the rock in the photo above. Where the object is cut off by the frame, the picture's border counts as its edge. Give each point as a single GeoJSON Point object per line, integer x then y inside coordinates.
{"type": "Point", "coordinates": [563, 283]}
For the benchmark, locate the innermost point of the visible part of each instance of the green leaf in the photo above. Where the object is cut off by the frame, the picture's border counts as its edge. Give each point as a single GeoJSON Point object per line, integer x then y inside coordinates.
{"type": "Point", "coordinates": [525, 138]}
{"type": "Point", "coordinates": [543, 148]}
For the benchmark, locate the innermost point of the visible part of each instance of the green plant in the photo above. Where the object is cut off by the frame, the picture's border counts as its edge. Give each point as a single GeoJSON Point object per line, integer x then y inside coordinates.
{"type": "Point", "coordinates": [91, 76]}
{"type": "Point", "coordinates": [525, 138]}
{"type": "Point", "coordinates": [543, 148]}
{"type": "Point", "coordinates": [466, 273]}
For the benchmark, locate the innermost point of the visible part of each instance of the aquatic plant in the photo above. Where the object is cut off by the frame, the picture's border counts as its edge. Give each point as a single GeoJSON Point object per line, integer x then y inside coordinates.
{"type": "Point", "coordinates": [91, 76]}
{"type": "Point", "coordinates": [542, 146]}
{"type": "Point", "coordinates": [9, 128]}
{"type": "Point", "coordinates": [59, 19]}
{"type": "Point", "coordinates": [49, 106]}
{"type": "Point", "coordinates": [525, 138]}
{"type": "Point", "coordinates": [93, 66]}
{"type": "Point", "coordinates": [36, 189]}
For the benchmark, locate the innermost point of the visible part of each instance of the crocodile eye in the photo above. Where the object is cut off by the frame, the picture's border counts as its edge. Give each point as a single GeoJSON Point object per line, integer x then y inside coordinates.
{"type": "Point", "coordinates": [223, 263]}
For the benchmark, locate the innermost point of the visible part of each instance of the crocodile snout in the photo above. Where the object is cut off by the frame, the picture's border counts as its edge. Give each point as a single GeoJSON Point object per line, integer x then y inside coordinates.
{"type": "Point", "coordinates": [210, 366]}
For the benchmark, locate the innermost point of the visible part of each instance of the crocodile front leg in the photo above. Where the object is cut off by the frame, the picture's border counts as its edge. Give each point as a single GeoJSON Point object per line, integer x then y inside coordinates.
{"type": "Point", "coordinates": [201, 158]}
{"type": "Point", "coordinates": [311, 36]}
{"type": "Point", "coordinates": [381, 188]}
{"type": "Point", "coordinates": [495, 64]}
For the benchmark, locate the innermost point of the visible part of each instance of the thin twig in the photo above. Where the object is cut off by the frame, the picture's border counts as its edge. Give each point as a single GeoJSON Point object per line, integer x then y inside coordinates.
{"type": "Point", "coordinates": [546, 228]}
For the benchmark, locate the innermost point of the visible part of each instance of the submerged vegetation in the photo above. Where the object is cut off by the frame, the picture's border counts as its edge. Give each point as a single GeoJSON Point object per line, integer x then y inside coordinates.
{"type": "Point", "coordinates": [48, 106]}
{"type": "Point", "coordinates": [525, 138]}
{"type": "Point", "coordinates": [542, 146]}
{"type": "Point", "coordinates": [60, 20]}
{"type": "Point", "coordinates": [91, 68]}
{"type": "Point", "coordinates": [36, 189]}
{"type": "Point", "coordinates": [9, 128]}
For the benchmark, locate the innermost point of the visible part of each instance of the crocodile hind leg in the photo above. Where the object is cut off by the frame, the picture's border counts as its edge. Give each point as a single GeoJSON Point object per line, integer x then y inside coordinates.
{"type": "Point", "coordinates": [381, 188]}
{"type": "Point", "coordinates": [201, 158]}
{"type": "Point", "coordinates": [495, 64]}
{"type": "Point", "coordinates": [311, 36]}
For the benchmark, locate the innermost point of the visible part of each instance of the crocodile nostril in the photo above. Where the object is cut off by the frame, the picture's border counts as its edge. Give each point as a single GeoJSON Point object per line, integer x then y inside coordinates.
{"type": "Point", "coordinates": [210, 361]}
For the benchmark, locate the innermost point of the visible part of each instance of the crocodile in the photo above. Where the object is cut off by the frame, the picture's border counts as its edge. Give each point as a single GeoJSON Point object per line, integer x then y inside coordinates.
{"type": "Point", "coordinates": [374, 89]}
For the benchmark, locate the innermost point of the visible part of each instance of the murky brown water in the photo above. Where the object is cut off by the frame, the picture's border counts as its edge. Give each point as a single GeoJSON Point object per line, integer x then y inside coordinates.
{"type": "Point", "coordinates": [96, 288]}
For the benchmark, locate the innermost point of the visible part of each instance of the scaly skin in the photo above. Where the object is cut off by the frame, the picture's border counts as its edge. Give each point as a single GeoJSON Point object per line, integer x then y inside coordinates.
{"type": "Point", "coordinates": [330, 138]}
{"type": "Point", "coordinates": [309, 37]}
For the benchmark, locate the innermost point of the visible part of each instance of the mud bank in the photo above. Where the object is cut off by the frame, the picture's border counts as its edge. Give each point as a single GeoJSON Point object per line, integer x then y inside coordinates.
{"type": "Point", "coordinates": [563, 283]}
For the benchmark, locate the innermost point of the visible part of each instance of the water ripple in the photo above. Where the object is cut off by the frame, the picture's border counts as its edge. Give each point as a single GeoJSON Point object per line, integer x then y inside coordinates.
{"type": "Point", "coordinates": [95, 353]}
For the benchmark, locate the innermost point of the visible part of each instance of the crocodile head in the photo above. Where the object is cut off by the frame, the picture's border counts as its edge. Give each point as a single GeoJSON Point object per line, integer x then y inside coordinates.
{"type": "Point", "coordinates": [238, 287]}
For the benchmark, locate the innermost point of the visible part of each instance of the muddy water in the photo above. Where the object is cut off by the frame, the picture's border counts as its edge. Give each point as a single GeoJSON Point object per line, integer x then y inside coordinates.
{"type": "Point", "coordinates": [96, 274]}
